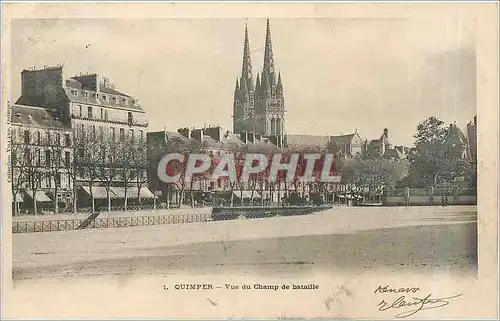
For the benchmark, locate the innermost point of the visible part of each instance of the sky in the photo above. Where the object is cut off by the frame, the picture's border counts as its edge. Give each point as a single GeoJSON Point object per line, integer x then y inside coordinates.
{"type": "Point", "coordinates": [339, 75]}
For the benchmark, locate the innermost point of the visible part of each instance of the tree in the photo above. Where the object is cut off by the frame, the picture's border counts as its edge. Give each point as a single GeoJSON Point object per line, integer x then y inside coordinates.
{"type": "Point", "coordinates": [126, 151]}
{"type": "Point", "coordinates": [107, 168]}
{"type": "Point", "coordinates": [35, 172]}
{"type": "Point", "coordinates": [55, 163]}
{"type": "Point", "coordinates": [373, 175]}
{"type": "Point", "coordinates": [439, 153]}
{"type": "Point", "coordinates": [18, 170]}
{"type": "Point", "coordinates": [87, 160]}
{"type": "Point", "coordinates": [70, 164]}
{"type": "Point", "coordinates": [139, 166]}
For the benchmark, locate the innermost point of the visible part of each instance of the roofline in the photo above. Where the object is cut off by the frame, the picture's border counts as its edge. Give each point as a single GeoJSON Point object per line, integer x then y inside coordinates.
{"type": "Point", "coordinates": [29, 106]}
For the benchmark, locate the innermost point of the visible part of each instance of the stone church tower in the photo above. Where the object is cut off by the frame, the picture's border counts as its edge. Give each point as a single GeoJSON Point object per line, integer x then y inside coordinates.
{"type": "Point", "coordinates": [259, 108]}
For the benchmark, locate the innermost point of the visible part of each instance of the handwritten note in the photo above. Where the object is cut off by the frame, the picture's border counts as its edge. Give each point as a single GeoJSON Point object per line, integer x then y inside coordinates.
{"type": "Point", "coordinates": [408, 304]}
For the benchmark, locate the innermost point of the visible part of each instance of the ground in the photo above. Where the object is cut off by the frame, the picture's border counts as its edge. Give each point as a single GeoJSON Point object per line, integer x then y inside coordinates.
{"type": "Point", "coordinates": [434, 239]}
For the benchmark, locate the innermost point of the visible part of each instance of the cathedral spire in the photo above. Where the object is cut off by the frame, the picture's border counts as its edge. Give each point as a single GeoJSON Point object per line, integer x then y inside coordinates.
{"type": "Point", "coordinates": [246, 69]}
{"type": "Point", "coordinates": [257, 86]}
{"type": "Point", "coordinates": [236, 90]}
{"type": "Point", "coordinates": [279, 86]}
{"type": "Point", "coordinates": [268, 52]}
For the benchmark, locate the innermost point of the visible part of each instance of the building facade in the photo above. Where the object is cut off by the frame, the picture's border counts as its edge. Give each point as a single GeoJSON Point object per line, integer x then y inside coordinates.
{"type": "Point", "coordinates": [41, 155]}
{"type": "Point", "coordinates": [100, 119]}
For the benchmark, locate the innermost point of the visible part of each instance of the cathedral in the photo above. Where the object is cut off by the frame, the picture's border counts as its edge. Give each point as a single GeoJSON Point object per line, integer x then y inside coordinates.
{"type": "Point", "coordinates": [259, 106]}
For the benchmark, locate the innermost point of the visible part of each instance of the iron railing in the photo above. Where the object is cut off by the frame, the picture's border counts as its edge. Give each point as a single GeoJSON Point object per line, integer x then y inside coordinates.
{"type": "Point", "coordinates": [108, 222]}
{"type": "Point", "coordinates": [228, 213]}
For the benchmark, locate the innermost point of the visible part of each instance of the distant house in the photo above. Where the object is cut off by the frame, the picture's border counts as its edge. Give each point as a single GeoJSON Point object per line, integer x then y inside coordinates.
{"type": "Point", "coordinates": [350, 145]}
{"type": "Point", "coordinates": [383, 148]}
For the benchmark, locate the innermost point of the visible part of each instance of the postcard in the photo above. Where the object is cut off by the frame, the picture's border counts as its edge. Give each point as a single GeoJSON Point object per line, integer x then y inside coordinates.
{"type": "Point", "coordinates": [250, 160]}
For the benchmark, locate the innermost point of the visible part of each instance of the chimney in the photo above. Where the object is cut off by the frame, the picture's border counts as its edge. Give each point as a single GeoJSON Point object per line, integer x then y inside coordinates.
{"type": "Point", "coordinates": [244, 136]}
{"type": "Point", "coordinates": [186, 132]}
{"type": "Point", "coordinates": [197, 134]}
{"type": "Point", "coordinates": [214, 132]}
{"type": "Point", "coordinates": [386, 132]}
{"type": "Point", "coordinates": [251, 137]}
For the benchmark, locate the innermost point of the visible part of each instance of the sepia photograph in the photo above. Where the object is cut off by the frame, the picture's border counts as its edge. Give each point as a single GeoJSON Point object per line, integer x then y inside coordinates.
{"type": "Point", "coordinates": [245, 154]}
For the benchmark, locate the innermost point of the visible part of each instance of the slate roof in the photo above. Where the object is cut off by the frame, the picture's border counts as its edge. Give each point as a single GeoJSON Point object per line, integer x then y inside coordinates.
{"type": "Point", "coordinates": [382, 139]}
{"type": "Point", "coordinates": [99, 100]}
{"type": "Point", "coordinates": [112, 91]}
{"type": "Point", "coordinates": [307, 140]}
{"type": "Point", "coordinates": [34, 117]}
{"type": "Point", "coordinates": [342, 138]}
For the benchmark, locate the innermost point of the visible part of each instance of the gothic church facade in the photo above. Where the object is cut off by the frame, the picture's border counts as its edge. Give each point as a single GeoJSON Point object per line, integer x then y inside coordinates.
{"type": "Point", "coordinates": [259, 107]}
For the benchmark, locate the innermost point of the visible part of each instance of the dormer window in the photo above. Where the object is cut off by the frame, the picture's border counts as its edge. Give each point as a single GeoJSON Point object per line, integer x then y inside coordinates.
{"type": "Point", "coordinates": [86, 94]}
{"type": "Point", "coordinates": [124, 100]}
{"type": "Point", "coordinates": [104, 97]}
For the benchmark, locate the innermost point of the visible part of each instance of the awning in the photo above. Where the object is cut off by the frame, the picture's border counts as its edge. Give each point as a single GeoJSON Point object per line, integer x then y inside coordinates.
{"type": "Point", "coordinates": [120, 191]}
{"type": "Point", "coordinates": [144, 193]}
{"type": "Point", "coordinates": [246, 194]}
{"type": "Point", "coordinates": [40, 196]}
{"type": "Point", "coordinates": [99, 192]}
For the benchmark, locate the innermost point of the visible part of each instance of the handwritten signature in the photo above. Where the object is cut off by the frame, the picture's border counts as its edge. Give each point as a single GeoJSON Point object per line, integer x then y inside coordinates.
{"type": "Point", "coordinates": [417, 304]}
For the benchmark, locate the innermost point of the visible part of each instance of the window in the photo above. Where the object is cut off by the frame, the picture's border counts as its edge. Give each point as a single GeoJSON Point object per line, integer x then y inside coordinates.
{"type": "Point", "coordinates": [122, 134]}
{"type": "Point", "coordinates": [113, 134]}
{"type": "Point", "coordinates": [106, 115]}
{"type": "Point", "coordinates": [67, 140]}
{"type": "Point", "coordinates": [81, 112]}
{"type": "Point", "coordinates": [47, 157]}
{"type": "Point", "coordinates": [39, 138]}
{"type": "Point", "coordinates": [141, 135]}
{"type": "Point", "coordinates": [38, 158]}
{"type": "Point", "coordinates": [86, 94]}
{"type": "Point", "coordinates": [58, 179]}
{"type": "Point", "coordinates": [102, 113]}
{"type": "Point", "coordinates": [81, 152]}
{"type": "Point", "coordinates": [67, 159]}
{"type": "Point", "coordinates": [93, 131]}
{"type": "Point", "coordinates": [101, 132]}
{"type": "Point", "coordinates": [48, 138]}
{"type": "Point", "coordinates": [131, 134]}
{"type": "Point", "coordinates": [58, 139]}
{"type": "Point", "coordinates": [80, 128]}
{"type": "Point", "coordinates": [26, 136]}
{"type": "Point", "coordinates": [89, 110]}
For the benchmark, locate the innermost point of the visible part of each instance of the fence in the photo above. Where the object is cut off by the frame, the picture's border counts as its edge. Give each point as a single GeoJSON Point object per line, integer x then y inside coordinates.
{"type": "Point", "coordinates": [111, 222]}
{"type": "Point", "coordinates": [234, 213]}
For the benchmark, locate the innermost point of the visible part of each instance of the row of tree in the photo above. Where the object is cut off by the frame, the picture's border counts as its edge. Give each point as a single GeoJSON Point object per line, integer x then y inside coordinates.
{"type": "Point", "coordinates": [88, 160]}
